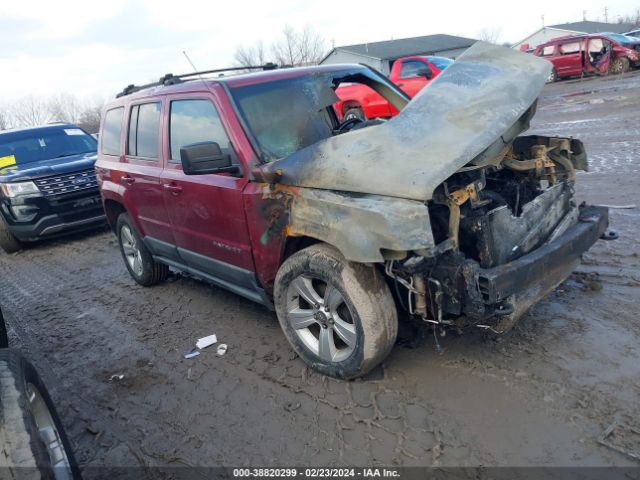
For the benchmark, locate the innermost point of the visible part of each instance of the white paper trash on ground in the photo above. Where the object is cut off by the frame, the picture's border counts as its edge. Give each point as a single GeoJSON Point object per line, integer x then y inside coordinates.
{"type": "Point", "coordinates": [222, 349]}
{"type": "Point", "coordinates": [204, 342]}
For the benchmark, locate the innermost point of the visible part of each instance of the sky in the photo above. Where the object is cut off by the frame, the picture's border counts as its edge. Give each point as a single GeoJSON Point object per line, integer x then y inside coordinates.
{"type": "Point", "coordinates": [94, 49]}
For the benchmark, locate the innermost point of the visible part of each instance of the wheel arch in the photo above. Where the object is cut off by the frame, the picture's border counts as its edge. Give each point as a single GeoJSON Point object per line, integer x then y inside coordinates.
{"type": "Point", "coordinates": [113, 209]}
{"type": "Point", "coordinates": [349, 104]}
{"type": "Point", "coordinates": [293, 244]}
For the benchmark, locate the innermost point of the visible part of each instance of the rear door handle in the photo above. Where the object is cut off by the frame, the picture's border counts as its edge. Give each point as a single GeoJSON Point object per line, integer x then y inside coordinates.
{"type": "Point", "coordinates": [129, 180]}
{"type": "Point", "coordinates": [173, 188]}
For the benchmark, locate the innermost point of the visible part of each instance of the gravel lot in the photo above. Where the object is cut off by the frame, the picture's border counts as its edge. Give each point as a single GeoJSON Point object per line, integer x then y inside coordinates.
{"type": "Point", "coordinates": [540, 395]}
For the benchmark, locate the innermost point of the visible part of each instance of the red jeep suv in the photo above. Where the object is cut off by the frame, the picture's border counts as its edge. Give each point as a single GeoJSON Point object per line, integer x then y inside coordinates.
{"type": "Point", "coordinates": [253, 183]}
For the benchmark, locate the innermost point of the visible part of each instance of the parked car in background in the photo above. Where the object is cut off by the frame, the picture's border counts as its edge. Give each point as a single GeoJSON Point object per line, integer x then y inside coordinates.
{"type": "Point", "coordinates": [47, 184]}
{"type": "Point", "coordinates": [590, 54]}
{"type": "Point", "coordinates": [33, 442]}
{"type": "Point", "coordinates": [633, 34]}
{"type": "Point", "coordinates": [411, 74]}
{"type": "Point", "coordinates": [321, 219]}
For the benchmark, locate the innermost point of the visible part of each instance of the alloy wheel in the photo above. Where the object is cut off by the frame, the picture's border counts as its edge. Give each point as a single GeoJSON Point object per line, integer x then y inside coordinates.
{"type": "Point", "coordinates": [319, 315]}
{"type": "Point", "coordinates": [49, 434]}
{"type": "Point", "coordinates": [131, 250]}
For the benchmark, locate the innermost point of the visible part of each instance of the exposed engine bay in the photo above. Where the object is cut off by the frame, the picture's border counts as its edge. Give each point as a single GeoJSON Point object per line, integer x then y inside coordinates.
{"type": "Point", "coordinates": [485, 217]}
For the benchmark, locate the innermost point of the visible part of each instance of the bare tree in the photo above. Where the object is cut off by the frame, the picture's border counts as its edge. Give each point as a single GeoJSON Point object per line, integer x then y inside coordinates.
{"type": "Point", "coordinates": [311, 47]}
{"type": "Point", "coordinates": [490, 35]}
{"type": "Point", "coordinates": [633, 19]}
{"type": "Point", "coordinates": [285, 51]}
{"type": "Point", "coordinates": [66, 108]}
{"type": "Point", "coordinates": [249, 56]}
{"type": "Point", "coordinates": [4, 120]}
{"type": "Point", "coordinates": [299, 48]}
{"type": "Point", "coordinates": [306, 47]}
{"type": "Point", "coordinates": [30, 111]}
{"type": "Point", "coordinates": [90, 118]}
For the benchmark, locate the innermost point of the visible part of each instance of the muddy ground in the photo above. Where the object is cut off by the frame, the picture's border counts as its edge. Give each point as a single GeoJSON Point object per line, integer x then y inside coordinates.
{"type": "Point", "coordinates": [540, 395]}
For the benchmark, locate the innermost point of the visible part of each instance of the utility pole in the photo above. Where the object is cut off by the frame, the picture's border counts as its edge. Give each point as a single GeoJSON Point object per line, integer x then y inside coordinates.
{"type": "Point", "coordinates": [542, 18]}
{"type": "Point", "coordinates": [606, 14]}
{"type": "Point", "coordinates": [584, 15]}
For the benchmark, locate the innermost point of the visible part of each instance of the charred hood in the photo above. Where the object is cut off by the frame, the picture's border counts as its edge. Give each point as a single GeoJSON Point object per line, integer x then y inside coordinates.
{"type": "Point", "coordinates": [469, 113]}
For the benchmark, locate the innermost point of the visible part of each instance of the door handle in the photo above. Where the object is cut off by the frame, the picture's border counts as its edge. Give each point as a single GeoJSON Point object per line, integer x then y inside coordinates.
{"type": "Point", "coordinates": [129, 180]}
{"type": "Point", "coordinates": [173, 188]}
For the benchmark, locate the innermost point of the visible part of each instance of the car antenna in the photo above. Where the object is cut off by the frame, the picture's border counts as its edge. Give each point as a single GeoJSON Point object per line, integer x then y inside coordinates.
{"type": "Point", "coordinates": [195, 70]}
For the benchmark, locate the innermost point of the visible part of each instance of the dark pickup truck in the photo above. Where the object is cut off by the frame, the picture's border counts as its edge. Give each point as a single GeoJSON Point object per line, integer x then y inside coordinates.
{"type": "Point", "coordinates": [47, 184]}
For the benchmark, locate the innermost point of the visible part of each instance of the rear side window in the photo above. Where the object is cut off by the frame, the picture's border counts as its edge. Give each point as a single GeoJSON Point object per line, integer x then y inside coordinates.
{"type": "Point", "coordinates": [144, 130]}
{"type": "Point", "coordinates": [569, 48]}
{"type": "Point", "coordinates": [194, 121]}
{"type": "Point", "coordinates": [111, 131]}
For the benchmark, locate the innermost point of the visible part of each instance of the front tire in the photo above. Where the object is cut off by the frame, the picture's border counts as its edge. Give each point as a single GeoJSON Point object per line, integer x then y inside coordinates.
{"type": "Point", "coordinates": [553, 76]}
{"type": "Point", "coordinates": [8, 240]}
{"type": "Point", "coordinates": [137, 257]}
{"type": "Point", "coordinates": [620, 65]}
{"type": "Point", "coordinates": [30, 423]}
{"type": "Point", "coordinates": [338, 316]}
{"type": "Point", "coordinates": [354, 113]}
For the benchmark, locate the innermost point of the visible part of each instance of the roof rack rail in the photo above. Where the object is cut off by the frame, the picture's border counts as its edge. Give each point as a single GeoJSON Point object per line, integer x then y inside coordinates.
{"type": "Point", "coordinates": [171, 79]}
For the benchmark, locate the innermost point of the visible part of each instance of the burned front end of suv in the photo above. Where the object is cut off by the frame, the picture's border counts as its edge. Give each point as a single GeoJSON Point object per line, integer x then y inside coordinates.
{"type": "Point", "coordinates": [473, 221]}
{"type": "Point", "coordinates": [505, 237]}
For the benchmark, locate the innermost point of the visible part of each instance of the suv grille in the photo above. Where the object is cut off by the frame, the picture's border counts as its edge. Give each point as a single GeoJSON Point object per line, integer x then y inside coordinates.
{"type": "Point", "coordinates": [67, 183]}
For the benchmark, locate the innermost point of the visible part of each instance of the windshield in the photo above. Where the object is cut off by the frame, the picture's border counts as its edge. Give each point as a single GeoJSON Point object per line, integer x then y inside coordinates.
{"type": "Point", "coordinates": [287, 115]}
{"type": "Point", "coordinates": [621, 39]}
{"type": "Point", "coordinates": [43, 144]}
{"type": "Point", "coordinates": [439, 62]}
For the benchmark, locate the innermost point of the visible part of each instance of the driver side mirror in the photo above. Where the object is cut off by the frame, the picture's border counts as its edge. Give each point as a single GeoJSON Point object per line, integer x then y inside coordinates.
{"type": "Point", "coordinates": [205, 157]}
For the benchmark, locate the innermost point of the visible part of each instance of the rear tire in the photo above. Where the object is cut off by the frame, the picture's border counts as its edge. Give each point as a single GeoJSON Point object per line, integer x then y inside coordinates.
{"type": "Point", "coordinates": [8, 240]}
{"type": "Point", "coordinates": [137, 257]}
{"type": "Point", "coordinates": [31, 433]}
{"type": "Point", "coordinates": [339, 316]}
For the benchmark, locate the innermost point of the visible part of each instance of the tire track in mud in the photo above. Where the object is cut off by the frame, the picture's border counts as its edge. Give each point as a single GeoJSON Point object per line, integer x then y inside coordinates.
{"type": "Point", "coordinates": [55, 279]}
{"type": "Point", "coordinates": [48, 303]}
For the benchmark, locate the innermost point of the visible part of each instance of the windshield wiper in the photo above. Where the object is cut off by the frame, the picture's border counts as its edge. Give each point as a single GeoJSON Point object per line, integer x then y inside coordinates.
{"type": "Point", "coordinates": [71, 154]}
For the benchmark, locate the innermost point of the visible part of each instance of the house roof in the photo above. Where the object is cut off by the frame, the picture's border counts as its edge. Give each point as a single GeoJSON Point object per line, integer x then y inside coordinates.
{"type": "Point", "coordinates": [594, 27]}
{"type": "Point", "coordinates": [405, 47]}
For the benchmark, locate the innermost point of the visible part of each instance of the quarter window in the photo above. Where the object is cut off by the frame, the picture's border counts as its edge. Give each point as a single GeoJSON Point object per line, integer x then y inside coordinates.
{"type": "Point", "coordinates": [144, 130]}
{"type": "Point", "coordinates": [111, 131]}
{"type": "Point", "coordinates": [548, 51]}
{"type": "Point", "coordinates": [194, 121]}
